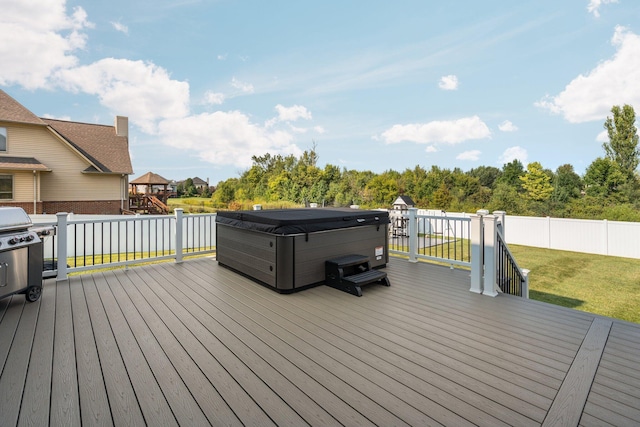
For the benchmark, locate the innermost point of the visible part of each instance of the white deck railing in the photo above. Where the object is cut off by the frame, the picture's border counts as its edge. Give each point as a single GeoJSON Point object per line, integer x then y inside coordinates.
{"type": "Point", "coordinates": [474, 241]}
{"type": "Point", "coordinates": [99, 242]}
{"type": "Point", "coordinates": [442, 238]}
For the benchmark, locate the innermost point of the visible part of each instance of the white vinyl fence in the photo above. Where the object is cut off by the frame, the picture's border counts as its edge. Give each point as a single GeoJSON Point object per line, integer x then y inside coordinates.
{"type": "Point", "coordinates": [601, 237]}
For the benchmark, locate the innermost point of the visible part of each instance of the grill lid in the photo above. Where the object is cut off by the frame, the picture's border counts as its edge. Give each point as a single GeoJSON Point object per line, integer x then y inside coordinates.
{"type": "Point", "coordinates": [13, 218]}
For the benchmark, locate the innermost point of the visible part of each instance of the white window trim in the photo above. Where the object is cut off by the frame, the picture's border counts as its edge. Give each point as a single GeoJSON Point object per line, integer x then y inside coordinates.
{"type": "Point", "coordinates": [6, 140]}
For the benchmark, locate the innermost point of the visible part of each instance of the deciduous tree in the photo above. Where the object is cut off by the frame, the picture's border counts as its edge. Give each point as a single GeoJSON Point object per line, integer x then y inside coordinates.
{"type": "Point", "coordinates": [536, 183]}
{"type": "Point", "coordinates": [622, 146]}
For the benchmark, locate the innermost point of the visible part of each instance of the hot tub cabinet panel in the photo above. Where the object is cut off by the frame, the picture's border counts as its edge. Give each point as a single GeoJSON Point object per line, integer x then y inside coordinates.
{"type": "Point", "coordinates": [290, 262]}
{"type": "Point", "coordinates": [252, 253]}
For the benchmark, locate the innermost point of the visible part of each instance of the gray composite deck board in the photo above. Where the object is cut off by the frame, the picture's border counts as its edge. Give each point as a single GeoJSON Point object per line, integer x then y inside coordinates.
{"type": "Point", "coordinates": [184, 408]}
{"type": "Point", "coordinates": [197, 344]}
{"type": "Point", "coordinates": [331, 357]}
{"type": "Point", "coordinates": [360, 352]}
{"type": "Point", "coordinates": [91, 387]}
{"type": "Point", "coordinates": [15, 367]}
{"type": "Point", "coordinates": [200, 345]}
{"type": "Point", "coordinates": [158, 317]}
{"type": "Point", "coordinates": [222, 309]}
{"type": "Point", "coordinates": [148, 392]}
{"type": "Point", "coordinates": [65, 407]}
{"type": "Point", "coordinates": [204, 340]}
{"type": "Point", "coordinates": [124, 406]}
{"type": "Point", "coordinates": [615, 396]}
{"type": "Point", "coordinates": [34, 408]}
{"type": "Point", "coordinates": [568, 405]}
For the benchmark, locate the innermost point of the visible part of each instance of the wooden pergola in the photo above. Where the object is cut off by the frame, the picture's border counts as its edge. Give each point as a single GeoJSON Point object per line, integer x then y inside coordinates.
{"type": "Point", "coordinates": [153, 200]}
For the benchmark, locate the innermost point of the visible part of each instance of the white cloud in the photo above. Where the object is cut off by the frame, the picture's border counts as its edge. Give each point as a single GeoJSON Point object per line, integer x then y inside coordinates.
{"type": "Point", "coordinates": [507, 126]}
{"type": "Point", "coordinates": [117, 82]}
{"type": "Point", "coordinates": [612, 82]}
{"type": "Point", "coordinates": [291, 114]}
{"type": "Point", "coordinates": [513, 153]}
{"type": "Point", "coordinates": [38, 39]}
{"type": "Point", "coordinates": [319, 129]}
{"type": "Point", "coordinates": [594, 6]}
{"type": "Point", "coordinates": [603, 136]}
{"type": "Point", "coordinates": [472, 155]}
{"type": "Point", "coordinates": [295, 129]}
{"type": "Point", "coordinates": [431, 149]}
{"type": "Point", "coordinates": [37, 51]}
{"type": "Point", "coordinates": [118, 26]}
{"type": "Point", "coordinates": [51, 116]}
{"type": "Point", "coordinates": [242, 86]}
{"type": "Point", "coordinates": [450, 132]}
{"type": "Point", "coordinates": [222, 57]}
{"type": "Point", "coordinates": [449, 82]}
{"type": "Point", "coordinates": [213, 98]}
{"type": "Point", "coordinates": [225, 138]}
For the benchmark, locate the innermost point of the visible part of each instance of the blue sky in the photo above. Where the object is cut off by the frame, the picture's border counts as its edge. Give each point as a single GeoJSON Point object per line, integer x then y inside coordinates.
{"type": "Point", "coordinates": [376, 85]}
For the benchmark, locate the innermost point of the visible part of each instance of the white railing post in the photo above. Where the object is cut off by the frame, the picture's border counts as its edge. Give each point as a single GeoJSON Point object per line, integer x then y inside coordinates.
{"type": "Point", "coordinates": [501, 217]}
{"type": "Point", "coordinates": [178, 235]}
{"type": "Point", "coordinates": [413, 234]}
{"type": "Point", "coordinates": [490, 255]}
{"type": "Point", "coordinates": [525, 285]}
{"type": "Point", "coordinates": [476, 253]}
{"type": "Point", "coordinates": [61, 234]}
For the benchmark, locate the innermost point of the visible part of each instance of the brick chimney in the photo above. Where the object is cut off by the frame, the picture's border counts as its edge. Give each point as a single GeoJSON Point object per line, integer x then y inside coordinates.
{"type": "Point", "coordinates": [122, 126]}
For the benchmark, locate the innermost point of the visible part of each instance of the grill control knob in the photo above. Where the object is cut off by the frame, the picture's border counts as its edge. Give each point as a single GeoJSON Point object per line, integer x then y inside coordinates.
{"type": "Point", "coordinates": [29, 237]}
{"type": "Point", "coordinates": [13, 241]}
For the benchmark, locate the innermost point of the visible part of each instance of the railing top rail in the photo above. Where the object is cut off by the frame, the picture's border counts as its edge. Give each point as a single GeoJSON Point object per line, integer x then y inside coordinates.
{"type": "Point", "coordinates": [125, 218]}
{"type": "Point", "coordinates": [451, 218]}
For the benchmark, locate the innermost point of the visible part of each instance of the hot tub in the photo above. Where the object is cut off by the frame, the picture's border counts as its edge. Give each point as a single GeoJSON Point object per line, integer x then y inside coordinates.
{"type": "Point", "coordinates": [286, 249]}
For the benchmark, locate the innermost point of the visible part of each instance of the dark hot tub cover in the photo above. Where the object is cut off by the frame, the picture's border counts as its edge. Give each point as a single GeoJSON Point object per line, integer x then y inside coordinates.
{"type": "Point", "coordinates": [296, 221]}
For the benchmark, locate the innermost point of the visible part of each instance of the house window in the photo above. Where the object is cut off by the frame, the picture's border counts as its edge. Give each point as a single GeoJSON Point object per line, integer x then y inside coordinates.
{"type": "Point", "coordinates": [6, 187]}
{"type": "Point", "coordinates": [3, 139]}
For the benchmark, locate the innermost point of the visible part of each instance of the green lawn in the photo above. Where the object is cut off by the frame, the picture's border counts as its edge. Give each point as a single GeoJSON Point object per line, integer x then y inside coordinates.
{"type": "Point", "coordinates": [192, 204]}
{"type": "Point", "coordinates": [599, 284]}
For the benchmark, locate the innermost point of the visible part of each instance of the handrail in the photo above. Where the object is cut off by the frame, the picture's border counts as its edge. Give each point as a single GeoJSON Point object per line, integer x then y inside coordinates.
{"type": "Point", "coordinates": [87, 244]}
{"type": "Point", "coordinates": [439, 238]}
{"type": "Point", "coordinates": [158, 204]}
{"type": "Point", "coordinates": [511, 279]}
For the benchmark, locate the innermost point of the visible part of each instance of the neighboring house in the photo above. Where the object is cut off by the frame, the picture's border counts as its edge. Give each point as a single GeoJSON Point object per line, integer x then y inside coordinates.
{"type": "Point", "coordinates": [173, 187]}
{"type": "Point", "coordinates": [200, 184]}
{"type": "Point", "coordinates": [50, 166]}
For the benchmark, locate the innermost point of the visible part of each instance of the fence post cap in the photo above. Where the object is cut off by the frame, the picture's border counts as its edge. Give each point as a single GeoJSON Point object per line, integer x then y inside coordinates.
{"type": "Point", "coordinates": [482, 212]}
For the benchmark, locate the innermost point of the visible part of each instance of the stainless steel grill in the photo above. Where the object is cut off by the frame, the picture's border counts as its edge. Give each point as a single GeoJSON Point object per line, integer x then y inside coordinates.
{"type": "Point", "coordinates": [20, 255]}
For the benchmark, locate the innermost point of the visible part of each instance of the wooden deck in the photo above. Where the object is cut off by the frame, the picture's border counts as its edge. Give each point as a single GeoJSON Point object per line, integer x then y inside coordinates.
{"type": "Point", "coordinates": [195, 344]}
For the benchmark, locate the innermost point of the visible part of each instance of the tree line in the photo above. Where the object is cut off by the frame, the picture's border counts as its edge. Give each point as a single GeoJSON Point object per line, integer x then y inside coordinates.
{"type": "Point", "coordinates": [609, 188]}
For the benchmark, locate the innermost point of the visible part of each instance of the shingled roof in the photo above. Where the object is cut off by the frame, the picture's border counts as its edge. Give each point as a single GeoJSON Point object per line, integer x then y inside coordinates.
{"type": "Point", "coordinates": [21, 163]}
{"type": "Point", "coordinates": [150, 178]}
{"type": "Point", "coordinates": [98, 143]}
{"type": "Point", "coordinates": [12, 111]}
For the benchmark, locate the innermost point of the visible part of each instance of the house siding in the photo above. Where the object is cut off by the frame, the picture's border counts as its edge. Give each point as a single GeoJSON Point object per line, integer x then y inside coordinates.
{"type": "Point", "coordinates": [22, 186]}
{"type": "Point", "coordinates": [66, 181]}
